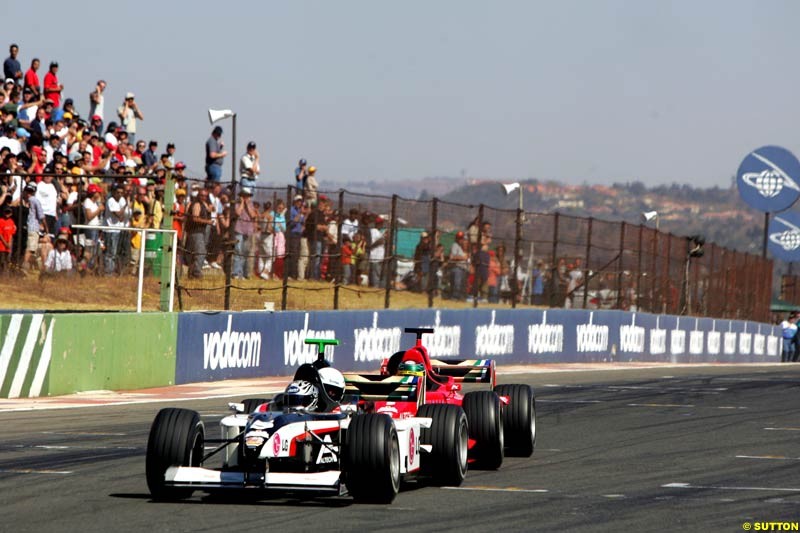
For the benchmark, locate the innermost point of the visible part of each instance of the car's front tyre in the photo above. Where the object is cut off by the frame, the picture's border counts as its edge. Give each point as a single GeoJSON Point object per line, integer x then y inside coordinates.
{"type": "Point", "coordinates": [177, 438]}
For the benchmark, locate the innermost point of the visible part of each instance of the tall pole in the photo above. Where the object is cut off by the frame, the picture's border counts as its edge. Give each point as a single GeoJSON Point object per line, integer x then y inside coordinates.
{"type": "Point", "coordinates": [515, 289]}
{"type": "Point", "coordinates": [232, 215]}
{"type": "Point", "coordinates": [586, 266]}
{"type": "Point", "coordinates": [388, 270]}
{"type": "Point", "coordinates": [168, 274]}
{"type": "Point", "coordinates": [432, 279]}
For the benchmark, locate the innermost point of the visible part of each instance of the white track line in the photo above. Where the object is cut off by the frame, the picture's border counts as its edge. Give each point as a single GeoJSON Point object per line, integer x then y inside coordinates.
{"type": "Point", "coordinates": [723, 487]}
{"type": "Point", "coordinates": [28, 471]}
{"type": "Point", "coordinates": [658, 405]}
{"type": "Point", "coordinates": [782, 429]}
{"type": "Point", "coordinates": [497, 489]}
{"type": "Point", "coordinates": [768, 457]}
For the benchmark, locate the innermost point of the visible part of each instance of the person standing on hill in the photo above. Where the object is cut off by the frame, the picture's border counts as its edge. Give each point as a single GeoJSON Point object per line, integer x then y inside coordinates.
{"type": "Point", "coordinates": [128, 113]}
{"type": "Point", "coordinates": [97, 103]}
{"type": "Point", "coordinates": [32, 79]}
{"type": "Point", "coordinates": [11, 67]}
{"type": "Point", "coordinates": [198, 218]}
{"type": "Point", "coordinates": [52, 88]}
{"type": "Point", "coordinates": [249, 167]}
{"type": "Point", "coordinates": [215, 155]}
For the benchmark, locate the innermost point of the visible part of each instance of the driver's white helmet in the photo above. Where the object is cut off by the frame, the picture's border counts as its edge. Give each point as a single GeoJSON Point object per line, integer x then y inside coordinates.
{"type": "Point", "coordinates": [301, 395]}
{"type": "Point", "coordinates": [333, 383]}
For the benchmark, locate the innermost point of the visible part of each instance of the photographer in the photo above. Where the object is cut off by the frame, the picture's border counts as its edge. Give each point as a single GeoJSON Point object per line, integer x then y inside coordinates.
{"type": "Point", "coordinates": [199, 217]}
{"type": "Point", "coordinates": [245, 228]}
{"type": "Point", "coordinates": [128, 112]}
{"type": "Point", "coordinates": [249, 167]}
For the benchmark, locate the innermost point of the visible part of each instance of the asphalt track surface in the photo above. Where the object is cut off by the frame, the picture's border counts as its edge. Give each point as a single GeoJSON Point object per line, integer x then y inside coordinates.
{"type": "Point", "coordinates": [664, 449]}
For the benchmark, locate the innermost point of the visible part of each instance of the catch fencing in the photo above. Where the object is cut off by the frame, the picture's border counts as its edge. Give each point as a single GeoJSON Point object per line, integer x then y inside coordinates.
{"type": "Point", "coordinates": [544, 259]}
{"type": "Point", "coordinates": [579, 262]}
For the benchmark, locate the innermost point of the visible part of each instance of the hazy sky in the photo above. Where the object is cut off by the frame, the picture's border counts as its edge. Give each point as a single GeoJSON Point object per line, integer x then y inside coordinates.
{"type": "Point", "coordinates": [594, 90]}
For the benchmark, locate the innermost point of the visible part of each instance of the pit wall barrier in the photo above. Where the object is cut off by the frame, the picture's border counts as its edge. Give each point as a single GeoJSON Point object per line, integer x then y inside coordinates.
{"type": "Point", "coordinates": [217, 346]}
{"type": "Point", "coordinates": [55, 354]}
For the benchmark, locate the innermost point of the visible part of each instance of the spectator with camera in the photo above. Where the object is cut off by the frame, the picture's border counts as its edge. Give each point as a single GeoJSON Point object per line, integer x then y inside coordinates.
{"type": "Point", "coordinates": [128, 114]}
{"type": "Point", "coordinates": [246, 217]}
{"type": "Point", "coordinates": [97, 105]}
{"type": "Point", "coordinates": [249, 167]}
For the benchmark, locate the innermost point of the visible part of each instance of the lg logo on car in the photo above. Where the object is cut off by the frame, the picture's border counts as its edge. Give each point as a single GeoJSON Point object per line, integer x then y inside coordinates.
{"type": "Point", "coordinates": [231, 349]}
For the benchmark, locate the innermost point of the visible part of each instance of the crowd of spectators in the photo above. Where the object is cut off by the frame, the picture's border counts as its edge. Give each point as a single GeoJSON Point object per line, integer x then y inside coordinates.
{"type": "Point", "coordinates": [60, 168]}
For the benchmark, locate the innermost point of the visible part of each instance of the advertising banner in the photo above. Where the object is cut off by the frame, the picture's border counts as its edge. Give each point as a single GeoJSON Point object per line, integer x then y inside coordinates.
{"type": "Point", "coordinates": [215, 346]}
{"type": "Point", "coordinates": [768, 179]}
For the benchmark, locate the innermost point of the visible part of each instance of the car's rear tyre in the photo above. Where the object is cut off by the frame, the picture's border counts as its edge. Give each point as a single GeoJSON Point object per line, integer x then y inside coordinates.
{"type": "Point", "coordinates": [371, 459]}
{"type": "Point", "coordinates": [448, 436]}
{"type": "Point", "coordinates": [250, 404]}
{"type": "Point", "coordinates": [519, 419]}
{"type": "Point", "coordinates": [485, 419]}
{"type": "Point", "coordinates": [177, 438]}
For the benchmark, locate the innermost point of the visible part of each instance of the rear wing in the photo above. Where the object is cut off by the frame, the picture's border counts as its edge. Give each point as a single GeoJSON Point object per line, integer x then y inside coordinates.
{"type": "Point", "coordinates": [377, 388]}
{"type": "Point", "coordinates": [466, 370]}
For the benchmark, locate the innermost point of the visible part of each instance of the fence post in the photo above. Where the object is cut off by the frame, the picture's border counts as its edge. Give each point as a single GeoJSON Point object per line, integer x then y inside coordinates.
{"type": "Point", "coordinates": [287, 258]}
{"type": "Point", "coordinates": [748, 287]}
{"type": "Point", "coordinates": [517, 260]}
{"type": "Point", "coordinates": [639, 269]}
{"type": "Point", "coordinates": [554, 263]}
{"type": "Point", "coordinates": [586, 265]}
{"type": "Point", "coordinates": [389, 265]}
{"type": "Point", "coordinates": [433, 278]}
{"type": "Point", "coordinates": [652, 300]}
{"type": "Point", "coordinates": [620, 264]}
{"type": "Point", "coordinates": [725, 271]}
{"type": "Point", "coordinates": [338, 254]}
{"type": "Point", "coordinates": [475, 286]}
{"type": "Point", "coordinates": [668, 277]}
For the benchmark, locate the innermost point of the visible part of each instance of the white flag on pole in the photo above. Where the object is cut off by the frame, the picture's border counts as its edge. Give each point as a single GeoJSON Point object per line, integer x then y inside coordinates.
{"type": "Point", "coordinates": [511, 187]}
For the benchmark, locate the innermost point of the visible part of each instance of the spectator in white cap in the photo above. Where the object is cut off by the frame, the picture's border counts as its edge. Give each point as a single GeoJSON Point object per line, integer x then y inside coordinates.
{"type": "Point", "coordinates": [128, 112]}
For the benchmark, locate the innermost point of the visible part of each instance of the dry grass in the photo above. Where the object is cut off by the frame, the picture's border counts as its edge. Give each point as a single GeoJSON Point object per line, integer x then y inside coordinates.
{"type": "Point", "coordinates": [119, 293]}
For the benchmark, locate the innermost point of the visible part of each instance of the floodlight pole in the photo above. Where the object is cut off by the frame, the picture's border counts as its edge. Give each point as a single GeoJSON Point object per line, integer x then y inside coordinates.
{"type": "Point", "coordinates": [232, 215]}
{"type": "Point", "coordinates": [215, 115]}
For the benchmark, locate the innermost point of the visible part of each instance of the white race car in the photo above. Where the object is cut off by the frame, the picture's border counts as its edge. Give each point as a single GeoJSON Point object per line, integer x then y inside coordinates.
{"type": "Point", "coordinates": [307, 440]}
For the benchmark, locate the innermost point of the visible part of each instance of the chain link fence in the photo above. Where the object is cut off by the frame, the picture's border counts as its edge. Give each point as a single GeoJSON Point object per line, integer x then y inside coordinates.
{"type": "Point", "coordinates": [365, 251]}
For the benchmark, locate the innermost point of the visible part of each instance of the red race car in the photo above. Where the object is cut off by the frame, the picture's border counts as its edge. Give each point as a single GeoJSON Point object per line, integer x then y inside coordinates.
{"type": "Point", "coordinates": [500, 420]}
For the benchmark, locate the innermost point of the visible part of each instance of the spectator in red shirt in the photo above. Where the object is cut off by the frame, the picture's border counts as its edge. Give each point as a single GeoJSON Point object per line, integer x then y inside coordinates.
{"type": "Point", "coordinates": [32, 79]}
{"type": "Point", "coordinates": [7, 231]}
{"type": "Point", "coordinates": [52, 89]}
{"type": "Point", "coordinates": [347, 260]}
